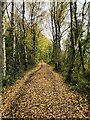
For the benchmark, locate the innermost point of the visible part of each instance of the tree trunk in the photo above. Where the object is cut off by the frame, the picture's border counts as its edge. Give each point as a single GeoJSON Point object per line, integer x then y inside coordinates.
{"type": "Point", "coordinates": [89, 33]}
{"type": "Point", "coordinates": [12, 60]}
{"type": "Point", "coordinates": [52, 24]}
{"type": "Point", "coordinates": [24, 36]}
{"type": "Point", "coordinates": [33, 46]}
{"type": "Point", "coordinates": [3, 40]}
{"type": "Point", "coordinates": [68, 77]}
{"type": "Point", "coordinates": [14, 39]}
{"type": "Point", "coordinates": [82, 60]}
{"type": "Point", "coordinates": [0, 47]}
{"type": "Point", "coordinates": [77, 39]}
{"type": "Point", "coordinates": [75, 17]}
{"type": "Point", "coordinates": [89, 17]}
{"type": "Point", "coordinates": [33, 33]}
{"type": "Point", "coordinates": [79, 43]}
{"type": "Point", "coordinates": [56, 41]}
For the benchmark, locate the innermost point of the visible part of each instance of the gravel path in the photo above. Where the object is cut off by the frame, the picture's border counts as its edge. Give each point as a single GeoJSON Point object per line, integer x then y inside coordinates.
{"type": "Point", "coordinates": [42, 94]}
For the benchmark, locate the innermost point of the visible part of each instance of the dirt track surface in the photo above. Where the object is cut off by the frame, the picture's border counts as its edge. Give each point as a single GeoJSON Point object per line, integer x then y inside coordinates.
{"type": "Point", "coordinates": [42, 94]}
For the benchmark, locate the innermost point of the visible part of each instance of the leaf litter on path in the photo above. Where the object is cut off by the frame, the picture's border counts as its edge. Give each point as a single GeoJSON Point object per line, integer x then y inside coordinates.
{"type": "Point", "coordinates": [42, 93]}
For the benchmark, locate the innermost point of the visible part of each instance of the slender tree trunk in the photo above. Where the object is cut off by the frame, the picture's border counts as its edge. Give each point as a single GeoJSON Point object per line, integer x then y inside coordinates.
{"type": "Point", "coordinates": [24, 36]}
{"type": "Point", "coordinates": [33, 33]}
{"type": "Point", "coordinates": [18, 44]}
{"type": "Point", "coordinates": [56, 37]}
{"type": "Point", "coordinates": [34, 45]}
{"type": "Point", "coordinates": [3, 39]}
{"type": "Point", "coordinates": [12, 39]}
{"type": "Point", "coordinates": [89, 32]}
{"type": "Point", "coordinates": [58, 44]}
{"type": "Point", "coordinates": [68, 77]}
{"type": "Point", "coordinates": [52, 23]}
{"type": "Point", "coordinates": [18, 58]}
{"type": "Point", "coordinates": [56, 32]}
{"type": "Point", "coordinates": [79, 43]}
{"type": "Point", "coordinates": [0, 47]}
{"type": "Point", "coordinates": [77, 39]}
{"type": "Point", "coordinates": [4, 51]}
{"type": "Point", "coordinates": [72, 41]}
{"type": "Point", "coordinates": [1, 104]}
{"type": "Point", "coordinates": [75, 17]}
{"type": "Point", "coordinates": [82, 60]}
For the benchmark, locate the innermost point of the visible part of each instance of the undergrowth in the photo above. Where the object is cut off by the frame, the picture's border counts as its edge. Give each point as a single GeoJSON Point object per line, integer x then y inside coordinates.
{"type": "Point", "coordinates": [11, 79]}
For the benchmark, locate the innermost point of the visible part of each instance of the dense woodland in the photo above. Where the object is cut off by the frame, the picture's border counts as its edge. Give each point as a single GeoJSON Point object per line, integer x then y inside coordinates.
{"type": "Point", "coordinates": [24, 44]}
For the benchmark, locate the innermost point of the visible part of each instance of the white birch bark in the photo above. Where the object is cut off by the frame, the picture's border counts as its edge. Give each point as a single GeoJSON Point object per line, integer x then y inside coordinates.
{"type": "Point", "coordinates": [0, 57]}
{"type": "Point", "coordinates": [4, 49]}
{"type": "Point", "coordinates": [3, 42]}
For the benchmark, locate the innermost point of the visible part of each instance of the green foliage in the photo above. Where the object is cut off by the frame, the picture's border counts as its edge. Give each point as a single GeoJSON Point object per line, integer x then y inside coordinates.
{"type": "Point", "coordinates": [7, 81]}
{"type": "Point", "coordinates": [88, 75]}
{"type": "Point", "coordinates": [44, 48]}
{"type": "Point", "coordinates": [10, 80]}
{"type": "Point", "coordinates": [81, 86]}
{"type": "Point", "coordinates": [43, 51]}
{"type": "Point", "coordinates": [39, 47]}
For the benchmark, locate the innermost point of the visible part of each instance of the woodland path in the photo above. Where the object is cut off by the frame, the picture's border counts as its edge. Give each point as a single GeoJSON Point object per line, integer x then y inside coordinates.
{"type": "Point", "coordinates": [42, 94]}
